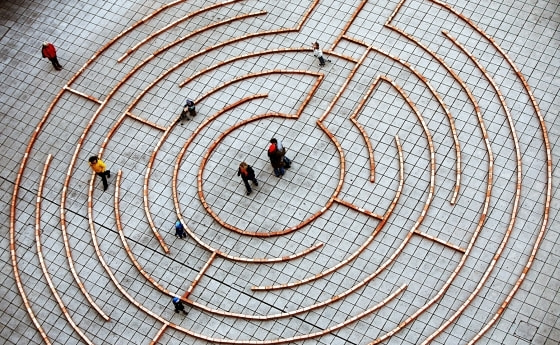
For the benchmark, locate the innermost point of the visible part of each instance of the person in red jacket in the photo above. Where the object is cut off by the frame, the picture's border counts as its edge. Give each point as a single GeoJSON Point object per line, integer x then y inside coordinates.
{"type": "Point", "coordinates": [276, 160]}
{"type": "Point", "coordinates": [49, 52]}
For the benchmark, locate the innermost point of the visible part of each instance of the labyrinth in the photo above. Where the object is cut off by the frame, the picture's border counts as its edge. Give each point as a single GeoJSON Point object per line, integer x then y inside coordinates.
{"type": "Point", "coordinates": [416, 203]}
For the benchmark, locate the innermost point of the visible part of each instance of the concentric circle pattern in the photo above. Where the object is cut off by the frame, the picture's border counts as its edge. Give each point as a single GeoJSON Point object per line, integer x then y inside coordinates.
{"type": "Point", "coordinates": [415, 206]}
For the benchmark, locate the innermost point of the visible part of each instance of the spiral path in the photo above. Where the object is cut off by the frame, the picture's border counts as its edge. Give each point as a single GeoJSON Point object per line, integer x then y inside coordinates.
{"type": "Point", "coordinates": [420, 206]}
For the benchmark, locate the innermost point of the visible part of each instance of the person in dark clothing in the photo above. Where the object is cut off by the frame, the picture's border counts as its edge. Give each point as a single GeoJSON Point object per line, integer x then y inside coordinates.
{"type": "Point", "coordinates": [179, 230]}
{"type": "Point", "coordinates": [178, 305]}
{"type": "Point", "coordinates": [281, 148]}
{"type": "Point", "coordinates": [247, 174]}
{"type": "Point", "coordinates": [189, 109]}
{"type": "Point", "coordinates": [100, 169]}
{"type": "Point", "coordinates": [276, 160]}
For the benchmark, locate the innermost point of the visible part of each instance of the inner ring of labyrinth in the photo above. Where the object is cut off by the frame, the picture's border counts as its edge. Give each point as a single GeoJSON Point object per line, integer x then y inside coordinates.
{"type": "Point", "coordinates": [279, 205]}
{"type": "Point", "coordinates": [402, 201]}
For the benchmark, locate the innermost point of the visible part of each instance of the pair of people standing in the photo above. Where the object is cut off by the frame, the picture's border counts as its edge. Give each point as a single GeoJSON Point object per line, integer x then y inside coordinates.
{"type": "Point", "coordinates": [278, 160]}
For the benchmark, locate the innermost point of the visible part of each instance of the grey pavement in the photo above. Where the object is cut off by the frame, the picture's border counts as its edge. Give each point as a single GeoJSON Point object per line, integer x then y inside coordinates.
{"type": "Point", "coordinates": [360, 242]}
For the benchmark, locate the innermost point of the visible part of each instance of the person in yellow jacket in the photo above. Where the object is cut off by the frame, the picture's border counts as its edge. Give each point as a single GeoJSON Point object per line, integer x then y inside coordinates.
{"type": "Point", "coordinates": [99, 167]}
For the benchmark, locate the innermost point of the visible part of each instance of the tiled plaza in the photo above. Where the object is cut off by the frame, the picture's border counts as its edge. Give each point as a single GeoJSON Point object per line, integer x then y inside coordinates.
{"type": "Point", "coordinates": [421, 206]}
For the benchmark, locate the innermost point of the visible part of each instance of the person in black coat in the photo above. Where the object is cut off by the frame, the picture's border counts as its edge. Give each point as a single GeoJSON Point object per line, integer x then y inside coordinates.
{"type": "Point", "coordinates": [190, 109]}
{"type": "Point", "coordinates": [247, 174]}
{"type": "Point", "coordinates": [276, 160]}
{"type": "Point", "coordinates": [178, 305]}
{"type": "Point", "coordinates": [279, 147]}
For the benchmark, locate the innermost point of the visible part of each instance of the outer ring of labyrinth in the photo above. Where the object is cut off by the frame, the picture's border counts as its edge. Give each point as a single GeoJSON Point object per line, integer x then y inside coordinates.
{"type": "Point", "coordinates": [353, 55]}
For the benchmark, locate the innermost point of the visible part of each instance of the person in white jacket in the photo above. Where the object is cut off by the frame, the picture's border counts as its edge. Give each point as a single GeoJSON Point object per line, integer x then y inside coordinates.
{"type": "Point", "coordinates": [318, 53]}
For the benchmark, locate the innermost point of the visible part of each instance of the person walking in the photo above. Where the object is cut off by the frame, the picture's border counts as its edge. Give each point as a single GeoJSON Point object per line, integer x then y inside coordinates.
{"type": "Point", "coordinates": [318, 53]}
{"type": "Point", "coordinates": [179, 230]}
{"type": "Point", "coordinates": [99, 168]}
{"type": "Point", "coordinates": [247, 174]}
{"type": "Point", "coordinates": [287, 162]}
{"type": "Point", "coordinates": [178, 305]}
{"type": "Point", "coordinates": [276, 160]}
{"type": "Point", "coordinates": [49, 52]}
